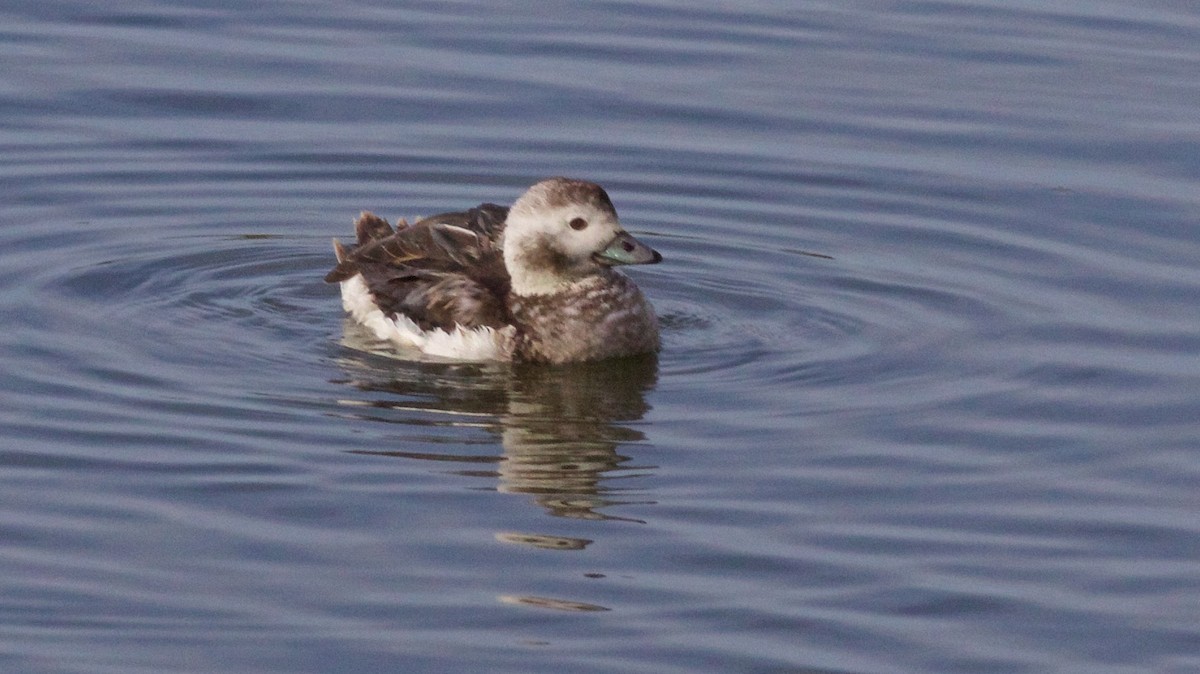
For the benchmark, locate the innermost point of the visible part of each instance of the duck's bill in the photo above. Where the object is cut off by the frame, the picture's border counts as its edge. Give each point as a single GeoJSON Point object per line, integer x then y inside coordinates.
{"type": "Point", "coordinates": [624, 249]}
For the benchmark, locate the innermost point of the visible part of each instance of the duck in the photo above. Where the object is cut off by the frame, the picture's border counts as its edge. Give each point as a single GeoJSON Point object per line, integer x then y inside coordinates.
{"type": "Point", "coordinates": [533, 282]}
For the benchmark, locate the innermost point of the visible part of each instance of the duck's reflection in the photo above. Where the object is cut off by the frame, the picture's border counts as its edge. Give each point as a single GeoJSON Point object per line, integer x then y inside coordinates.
{"type": "Point", "coordinates": [562, 429]}
{"type": "Point", "coordinates": [559, 427]}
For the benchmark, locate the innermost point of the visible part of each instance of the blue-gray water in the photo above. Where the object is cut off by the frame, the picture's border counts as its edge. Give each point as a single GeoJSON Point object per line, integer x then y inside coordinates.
{"type": "Point", "coordinates": [966, 443]}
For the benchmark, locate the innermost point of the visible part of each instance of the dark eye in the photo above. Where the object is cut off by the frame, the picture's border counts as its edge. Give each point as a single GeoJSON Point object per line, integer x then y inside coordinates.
{"type": "Point", "coordinates": [578, 224]}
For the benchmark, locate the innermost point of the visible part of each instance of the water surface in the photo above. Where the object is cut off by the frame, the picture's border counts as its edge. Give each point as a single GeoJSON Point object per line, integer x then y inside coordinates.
{"type": "Point", "coordinates": [964, 441]}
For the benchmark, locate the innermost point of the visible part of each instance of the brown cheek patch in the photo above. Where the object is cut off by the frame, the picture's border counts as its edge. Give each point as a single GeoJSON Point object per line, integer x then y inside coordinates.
{"type": "Point", "coordinates": [541, 255]}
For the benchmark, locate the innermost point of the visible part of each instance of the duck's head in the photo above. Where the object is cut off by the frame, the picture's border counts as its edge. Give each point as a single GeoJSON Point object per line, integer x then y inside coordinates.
{"type": "Point", "coordinates": [562, 230]}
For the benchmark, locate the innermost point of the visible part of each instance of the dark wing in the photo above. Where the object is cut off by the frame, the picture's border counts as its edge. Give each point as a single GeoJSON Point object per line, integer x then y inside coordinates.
{"type": "Point", "coordinates": [440, 271]}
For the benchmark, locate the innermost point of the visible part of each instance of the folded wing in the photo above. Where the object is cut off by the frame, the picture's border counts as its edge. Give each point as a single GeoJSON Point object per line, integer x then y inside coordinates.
{"type": "Point", "coordinates": [441, 271]}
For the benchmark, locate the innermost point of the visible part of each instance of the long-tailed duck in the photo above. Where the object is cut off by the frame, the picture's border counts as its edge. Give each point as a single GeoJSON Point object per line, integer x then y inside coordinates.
{"type": "Point", "coordinates": [534, 282]}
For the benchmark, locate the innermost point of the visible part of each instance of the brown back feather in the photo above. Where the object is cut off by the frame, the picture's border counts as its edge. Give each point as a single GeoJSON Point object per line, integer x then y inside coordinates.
{"type": "Point", "coordinates": [441, 271]}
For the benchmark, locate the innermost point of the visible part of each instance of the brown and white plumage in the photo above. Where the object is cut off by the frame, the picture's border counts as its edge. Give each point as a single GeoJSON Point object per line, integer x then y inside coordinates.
{"type": "Point", "coordinates": [533, 282]}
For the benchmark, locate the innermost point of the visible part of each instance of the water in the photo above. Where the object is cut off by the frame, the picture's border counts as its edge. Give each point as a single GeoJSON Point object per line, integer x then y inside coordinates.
{"type": "Point", "coordinates": [965, 443]}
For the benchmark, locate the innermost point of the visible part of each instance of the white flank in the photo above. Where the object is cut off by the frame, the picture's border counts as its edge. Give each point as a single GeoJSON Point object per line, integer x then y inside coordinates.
{"type": "Point", "coordinates": [458, 344]}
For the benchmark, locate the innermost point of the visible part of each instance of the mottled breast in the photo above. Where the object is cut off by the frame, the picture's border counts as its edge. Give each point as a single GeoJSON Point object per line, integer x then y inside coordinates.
{"type": "Point", "coordinates": [604, 317]}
